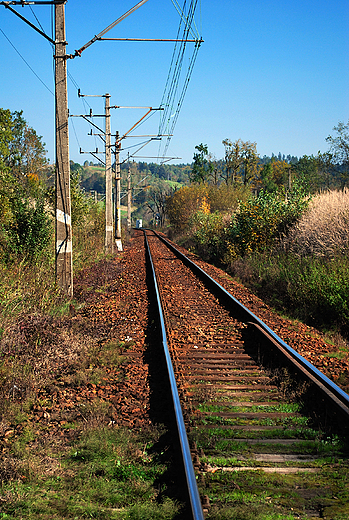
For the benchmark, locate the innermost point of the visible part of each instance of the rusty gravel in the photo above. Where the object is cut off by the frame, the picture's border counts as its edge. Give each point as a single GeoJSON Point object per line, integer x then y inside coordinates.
{"type": "Point", "coordinates": [112, 305]}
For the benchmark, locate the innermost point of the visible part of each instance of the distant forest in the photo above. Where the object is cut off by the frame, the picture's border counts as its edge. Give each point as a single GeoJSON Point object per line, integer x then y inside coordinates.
{"type": "Point", "coordinates": [92, 176]}
{"type": "Point", "coordinates": [241, 165]}
{"type": "Point", "coordinates": [269, 172]}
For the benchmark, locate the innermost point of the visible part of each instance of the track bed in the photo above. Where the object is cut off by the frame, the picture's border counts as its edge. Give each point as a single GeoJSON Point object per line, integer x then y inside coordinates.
{"type": "Point", "coordinates": [258, 449]}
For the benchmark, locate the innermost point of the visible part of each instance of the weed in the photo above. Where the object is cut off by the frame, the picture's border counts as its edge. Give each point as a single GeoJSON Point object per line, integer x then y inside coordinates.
{"type": "Point", "coordinates": [107, 474]}
{"type": "Point", "coordinates": [107, 354]}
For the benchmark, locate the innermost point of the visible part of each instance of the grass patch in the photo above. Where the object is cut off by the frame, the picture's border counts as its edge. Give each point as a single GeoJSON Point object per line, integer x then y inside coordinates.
{"type": "Point", "coordinates": [281, 422]}
{"type": "Point", "coordinates": [254, 494]}
{"type": "Point", "coordinates": [277, 433]}
{"type": "Point", "coordinates": [106, 474]}
{"type": "Point", "coordinates": [279, 408]}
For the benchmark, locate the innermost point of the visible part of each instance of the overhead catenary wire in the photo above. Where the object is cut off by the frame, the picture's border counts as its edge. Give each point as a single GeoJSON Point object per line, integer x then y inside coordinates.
{"type": "Point", "coordinates": [184, 19]}
{"type": "Point", "coordinates": [36, 18]}
{"type": "Point", "coordinates": [181, 99]}
{"type": "Point", "coordinates": [171, 101]}
{"type": "Point", "coordinates": [178, 58]}
{"type": "Point", "coordinates": [25, 61]}
{"type": "Point", "coordinates": [76, 136]}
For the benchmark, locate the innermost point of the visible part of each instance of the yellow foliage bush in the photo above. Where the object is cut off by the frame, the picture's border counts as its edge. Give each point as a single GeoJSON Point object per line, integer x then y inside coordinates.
{"type": "Point", "coordinates": [185, 202]}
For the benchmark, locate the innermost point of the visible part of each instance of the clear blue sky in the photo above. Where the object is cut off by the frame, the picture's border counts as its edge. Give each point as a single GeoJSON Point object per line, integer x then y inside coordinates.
{"type": "Point", "coordinates": [272, 72]}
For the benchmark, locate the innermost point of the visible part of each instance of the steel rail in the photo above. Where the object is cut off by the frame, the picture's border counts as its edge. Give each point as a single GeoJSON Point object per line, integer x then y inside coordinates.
{"type": "Point", "coordinates": [339, 398]}
{"type": "Point", "coordinates": [194, 496]}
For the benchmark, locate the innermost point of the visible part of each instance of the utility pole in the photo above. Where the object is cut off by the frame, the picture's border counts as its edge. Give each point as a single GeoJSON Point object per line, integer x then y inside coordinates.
{"type": "Point", "coordinates": [129, 197]}
{"type": "Point", "coordinates": [118, 241]}
{"type": "Point", "coordinates": [109, 245]}
{"type": "Point", "coordinates": [64, 250]}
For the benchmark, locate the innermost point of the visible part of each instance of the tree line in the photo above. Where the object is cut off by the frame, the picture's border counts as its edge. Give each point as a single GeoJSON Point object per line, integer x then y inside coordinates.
{"type": "Point", "coordinates": [242, 165]}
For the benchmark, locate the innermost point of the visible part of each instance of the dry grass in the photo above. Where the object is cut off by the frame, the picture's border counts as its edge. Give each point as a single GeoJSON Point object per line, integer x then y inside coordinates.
{"type": "Point", "coordinates": [33, 350]}
{"type": "Point", "coordinates": [323, 231]}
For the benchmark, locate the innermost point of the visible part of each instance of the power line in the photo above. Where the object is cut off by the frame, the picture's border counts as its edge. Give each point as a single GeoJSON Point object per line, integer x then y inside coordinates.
{"type": "Point", "coordinates": [36, 18]}
{"type": "Point", "coordinates": [76, 137]}
{"type": "Point", "coordinates": [174, 74]}
{"type": "Point", "coordinates": [171, 102]}
{"type": "Point", "coordinates": [25, 61]}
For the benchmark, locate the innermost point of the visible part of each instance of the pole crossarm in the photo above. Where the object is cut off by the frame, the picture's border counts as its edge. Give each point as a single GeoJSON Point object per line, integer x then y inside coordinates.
{"type": "Point", "coordinates": [95, 152]}
{"type": "Point", "coordinates": [38, 2]}
{"type": "Point", "coordinates": [119, 106]}
{"type": "Point", "coordinates": [139, 120]}
{"type": "Point", "coordinates": [98, 158]}
{"type": "Point", "coordinates": [102, 33]}
{"type": "Point", "coordinates": [155, 157]}
{"type": "Point", "coordinates": [87, 119]}
{"type": "Point", "coordinates": [5, 4]}
{"type": "Point", "coordinates": [199, 40]}
{"type": "Point", "coordinates": [150, 135]}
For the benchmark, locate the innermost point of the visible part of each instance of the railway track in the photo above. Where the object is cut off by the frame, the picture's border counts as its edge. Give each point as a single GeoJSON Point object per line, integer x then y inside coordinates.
{"type": "Point", "coordinates": [261, 429]}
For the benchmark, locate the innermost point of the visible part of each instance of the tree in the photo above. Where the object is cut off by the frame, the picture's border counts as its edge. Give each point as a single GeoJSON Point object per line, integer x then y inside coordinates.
{"type": "Point", "coordinates": [202, 167]}
{"type": "Point", "coordinates": [326, 169]}
{"type": "Point", "coordinates": [306, 169]}
{"type": "Point", "coordinates": [5, 136]}
{"type": "Point", "coordinates": [249, 167]}
{"type": "Point", "coordinates": [275, 174]}
{"type": "Point", "coordinates": [26, 154]}
{"type": "Point", "coordinates": [267, 178]}
{"type": "Point", "coordinates": [157, 196]}
{"type": "Point", "coordinates": [241, 162]}
{"type": "Point", "coordinates": [24, 226]}
{"type": "Point", "coordinates": [317, 172]}
{"type": "Point", "coordinates": [340, 144]}
{"type": "Point", "coordinates": [233, 160]}
{"type": "Point", "coordinates": [339, 147]}
{"type": "Point", "coordinates": [6, 180]}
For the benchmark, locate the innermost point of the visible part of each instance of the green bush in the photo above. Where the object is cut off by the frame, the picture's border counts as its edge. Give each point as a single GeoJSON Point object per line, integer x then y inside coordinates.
{"type": "Point", "coordinates": [209, 235]}
{"type": "Point", "coordinates": [262, 221]}
{"type": "Point", "coordinates": [29, 231]}
{"type": "Point", "coordinates": [314, 290]}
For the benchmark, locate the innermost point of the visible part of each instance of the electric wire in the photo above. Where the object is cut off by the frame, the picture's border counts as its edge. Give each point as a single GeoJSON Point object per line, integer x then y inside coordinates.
{"type": "Point", "coordinates": [134, 145]}
{"type": "Point", "coordinates": [169, 76]}
{"type": "Point", "coordinates": [171, 101]}
{"type": "Point", "coordinates": [25, 61]}
{"type": "Point", "coordinates": [182, 95]}
{"type": "Point", "coordinates": [181, 99]}
{"type": "Point", "coordinates": [36, 18]}
{"type": "Point", "coordinates": [76, 137]}
{"type": "Point", "coordinates": [174, 82]}
{"type": "Point", "coordinates": [85, 104]}
{"type": "Point", "coordinates": [184, 18]}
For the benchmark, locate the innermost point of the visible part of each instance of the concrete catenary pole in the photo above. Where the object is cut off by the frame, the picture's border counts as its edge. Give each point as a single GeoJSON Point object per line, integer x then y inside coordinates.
{"type": "Point", "coordinates": [64, 250]}
{"type": "Point", "coordinates": [118, 241]}
{"type": "Point", "coordinates": [129, 197]}
{"type": "Point", "coordinates": [109, 242]}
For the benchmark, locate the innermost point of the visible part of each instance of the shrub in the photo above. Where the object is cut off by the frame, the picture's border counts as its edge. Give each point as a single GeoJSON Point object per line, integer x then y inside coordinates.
{"type": "Point", "coordinates": [261, 221]}
{"type": "Point", "coordinates": [189, 200]}
{"type": "Point", "coordinates": [29, 231]}
{"type": "Point", "coordinates": [312, 289]}
{"type": "Point", "coordinates": [208, 235]}
{"type": "Point", "coordinates": [183, 204]}
{"type": "Point", "coordinates": [226, 198]}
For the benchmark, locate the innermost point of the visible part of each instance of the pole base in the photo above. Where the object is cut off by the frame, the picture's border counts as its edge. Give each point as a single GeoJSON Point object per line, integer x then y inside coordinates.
{"type": "Point", "coordinates": [118, 244]}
